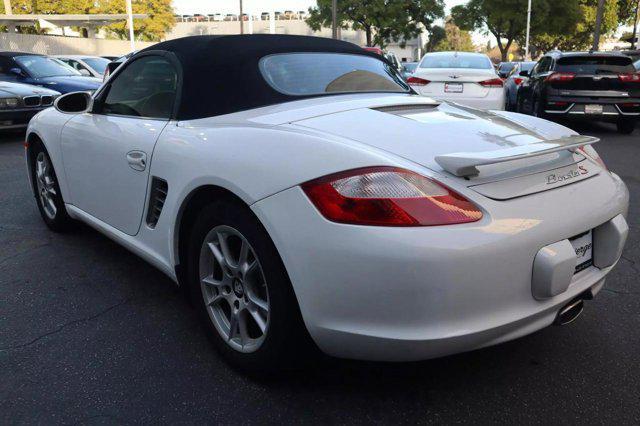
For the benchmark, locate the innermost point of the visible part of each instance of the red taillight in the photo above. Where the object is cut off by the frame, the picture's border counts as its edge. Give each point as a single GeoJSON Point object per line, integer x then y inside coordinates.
{"type": "Point", "coordinates": [388, 196]}
{"type": "Point", "coordinates": [518, 81]}
{"type": "Point", "coordinates": [494, 82]}
{"type": "Point", "coordinates": [560, 77]}
{"type": "Point", "coordinates": [629, 78]}
{"type": "Point", "coordinates": [416, 81]}
{"type": "Point", "coordinates": [590, 152]}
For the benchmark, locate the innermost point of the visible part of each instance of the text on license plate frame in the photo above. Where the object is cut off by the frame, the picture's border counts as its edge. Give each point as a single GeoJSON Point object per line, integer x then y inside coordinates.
{"type": "Point", "coordinates": [593, 109]}
{"type": "Point", "coordinates": [583, 246]}
{"type": "Point", "coordinates": [453, 87]}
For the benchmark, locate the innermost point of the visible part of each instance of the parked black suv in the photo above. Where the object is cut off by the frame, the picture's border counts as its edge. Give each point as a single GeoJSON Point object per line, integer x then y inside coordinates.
{"type": "Point", "coordinates": [584, 85]}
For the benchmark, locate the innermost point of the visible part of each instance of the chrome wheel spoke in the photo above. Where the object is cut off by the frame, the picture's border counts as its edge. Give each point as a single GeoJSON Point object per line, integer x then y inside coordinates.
{"type": "Point", "coordinates": [261, 304]}
{"type": "Point", "coordinates": [233, 325]}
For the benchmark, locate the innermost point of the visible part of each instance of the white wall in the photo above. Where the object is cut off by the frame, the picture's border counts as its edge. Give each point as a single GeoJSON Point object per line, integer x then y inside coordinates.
{"type": "Point", "coordinates": [54, 45]}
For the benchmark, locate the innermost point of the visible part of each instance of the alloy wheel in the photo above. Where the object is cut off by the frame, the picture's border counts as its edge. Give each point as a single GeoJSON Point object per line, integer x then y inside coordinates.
{"type": "Point", "coordinates": [45, 182]}
{"type": "Point", "coordinates": [234, 289]}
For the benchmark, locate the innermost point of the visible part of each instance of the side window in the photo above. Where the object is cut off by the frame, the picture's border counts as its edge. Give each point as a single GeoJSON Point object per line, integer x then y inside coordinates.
{"type": "Point", "coordinates": [145, 88]}
{"type": "Point", "coordinates": [5, 66]}
{"type": "Point", "coordinates": [545, 65]}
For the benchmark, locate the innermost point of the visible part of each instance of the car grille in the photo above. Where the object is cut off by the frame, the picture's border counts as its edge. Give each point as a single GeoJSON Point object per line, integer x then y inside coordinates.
{"type": "Point", "coordinates": [47, 100]}
{"type": "Point", "coordinates": [31, 101]}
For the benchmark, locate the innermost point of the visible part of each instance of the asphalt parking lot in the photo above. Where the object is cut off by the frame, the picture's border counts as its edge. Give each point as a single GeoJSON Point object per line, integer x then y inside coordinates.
{"type": "Point", "coordinates": [91, 334]}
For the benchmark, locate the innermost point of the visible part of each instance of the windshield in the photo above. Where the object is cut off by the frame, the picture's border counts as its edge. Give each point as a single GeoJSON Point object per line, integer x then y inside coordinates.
{"type": "Point", "coordinates": [303, 74]}
{"type": "Point", "coordinates": [506, 66]}
{"type": "Point", "coordinates": [595, 65]}
{"type": "Point", "coordinates": [98, 64]}
{"type": "Point", "coordinates": [42, 66]}
{"type": "Point", "coordinates": [456, 61]}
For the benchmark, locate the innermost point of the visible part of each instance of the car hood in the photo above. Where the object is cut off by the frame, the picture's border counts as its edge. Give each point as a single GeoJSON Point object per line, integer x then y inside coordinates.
{"type": "Point", "coordinates": [9, 89]}
{"type": "Point", "coordinates": [422, 132]}
{"type": "Point", "coordinates": [71, 83]}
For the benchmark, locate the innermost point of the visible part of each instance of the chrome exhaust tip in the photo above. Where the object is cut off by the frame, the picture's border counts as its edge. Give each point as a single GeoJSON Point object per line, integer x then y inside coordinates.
{"type": "Point", "coordinates": [569, 312]}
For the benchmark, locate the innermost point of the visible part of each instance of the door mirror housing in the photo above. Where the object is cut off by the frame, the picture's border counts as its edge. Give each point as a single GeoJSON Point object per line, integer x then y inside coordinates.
{"type": "Point", "coordinates": [18, 72]}
{"type": "Point", "coordinates": [524, 73]}
{"type": "Point", "coordinates": [74, 103]}
{"type": "Point", "coordinates": [85, 72]}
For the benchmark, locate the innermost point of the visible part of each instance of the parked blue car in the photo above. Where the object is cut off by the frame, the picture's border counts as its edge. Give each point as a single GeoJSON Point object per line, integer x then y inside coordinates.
{"type": "Point", "coordinates": [40, 70]}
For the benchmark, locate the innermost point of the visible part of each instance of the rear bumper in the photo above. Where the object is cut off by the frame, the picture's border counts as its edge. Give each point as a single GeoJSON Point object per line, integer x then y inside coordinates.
{"type": "Point", "coordinates": [415, 293]}
{"type": "Point", "coordinates": [495, 102]}
{"type": "Point", "coordinates": [612, 108]}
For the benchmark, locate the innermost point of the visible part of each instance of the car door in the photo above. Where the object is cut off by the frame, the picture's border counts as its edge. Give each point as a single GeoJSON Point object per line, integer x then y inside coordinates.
{"type": "Point", "coordinates": [107, 152]}
{"type": "Point", "coordinates": [526, 90]}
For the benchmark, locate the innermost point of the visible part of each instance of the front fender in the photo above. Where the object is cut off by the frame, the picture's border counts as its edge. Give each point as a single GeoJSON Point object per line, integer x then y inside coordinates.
{"type": "Point", "coordinates": [47, 126]}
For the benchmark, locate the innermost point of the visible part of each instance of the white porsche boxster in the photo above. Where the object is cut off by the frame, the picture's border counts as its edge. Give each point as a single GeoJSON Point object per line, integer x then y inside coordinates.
{"type": "Point", "coordinates": [306, 197]}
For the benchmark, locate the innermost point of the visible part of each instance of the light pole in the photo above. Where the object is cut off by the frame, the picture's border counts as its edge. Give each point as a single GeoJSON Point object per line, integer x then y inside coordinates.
{"type": "Point", "coordinates": [130, 24]}
{"type": "Point", "coordinates": [241, 19]}
{"type": "Point", "coordinates": [635, 27]}
{"type": "Point", "coordinates": [526, 44]}
{"type": "Point", "coordinates": [334, 19]}
{"type": "Point", "coordinates": [7, 7]}
{"type": "Point", "coordinates": [596, 35]}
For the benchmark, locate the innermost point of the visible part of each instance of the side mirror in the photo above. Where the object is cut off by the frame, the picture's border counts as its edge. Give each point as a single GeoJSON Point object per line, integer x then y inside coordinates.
{"type": "Point", "coordinates": [524, 73]}
{"type": "Point", "coordinates": [74, 103]}
{"type": "Point", "coordinates": [85, 72]}
{"type": "Point", "coordinates": [17, 71]}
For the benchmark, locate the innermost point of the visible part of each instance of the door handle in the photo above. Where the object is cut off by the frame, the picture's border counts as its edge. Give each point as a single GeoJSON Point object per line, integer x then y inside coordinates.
{"type": "Point", "coordinates": [137, 160]}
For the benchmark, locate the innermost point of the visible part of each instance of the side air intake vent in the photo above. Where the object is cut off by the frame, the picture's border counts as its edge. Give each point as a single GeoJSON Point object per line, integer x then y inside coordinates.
{"type": "Point", "coordinates": [156, 202]}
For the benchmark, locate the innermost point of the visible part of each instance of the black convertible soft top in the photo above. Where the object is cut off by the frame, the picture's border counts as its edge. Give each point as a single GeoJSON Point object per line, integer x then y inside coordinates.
{"type": "Point", "coordinates": [221, 73]}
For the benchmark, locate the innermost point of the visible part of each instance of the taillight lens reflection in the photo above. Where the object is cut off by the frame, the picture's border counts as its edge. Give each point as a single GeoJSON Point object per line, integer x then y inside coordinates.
{"type": "Point", "coordinates": [494, 82]}
{"type": "Point", "coordinates": [417, 81]}
{"type": "Point", "coordinates": [560, 77]}
{"type": "Point", "coordinates": [388, 196]}
{"type": "Point", "coordinates": [629, 78]}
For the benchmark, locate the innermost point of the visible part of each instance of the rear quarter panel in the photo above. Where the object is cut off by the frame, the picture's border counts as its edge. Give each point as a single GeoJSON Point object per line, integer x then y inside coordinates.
{"type": "Point", "coordinates": [251, 161]}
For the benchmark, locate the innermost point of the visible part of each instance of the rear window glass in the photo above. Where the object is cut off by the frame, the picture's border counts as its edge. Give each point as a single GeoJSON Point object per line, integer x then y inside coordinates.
{"type": "Point", "coordinates": [595, 64]}
{"type": "Point", "coordinates": [303, 74]}
{"type": "Point", "coordinates": [456, 61]}
{"type": "Point", "coordinates": [527, 66]}
{"type": "Point", "coordinates": [506, 66]}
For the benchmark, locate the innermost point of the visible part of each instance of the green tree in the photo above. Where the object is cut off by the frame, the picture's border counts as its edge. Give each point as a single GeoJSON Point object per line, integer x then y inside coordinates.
{"type": "Point", "coordinates": [160, 20]}
{"type": "Point", "coordinates": [506, 20]}
{"type": "Point", "coordinates": [627, 11]}
{"type": "Point", "coordinates": [153, 28]}
{"type": "Point", "coordinates": [436, 35]}
{"type": "Point", "coordinates": [455, 39]}
{"type": "Point", "coordinates": [382, 21]}
{"type": "Point", "coordinates": [579, 23]}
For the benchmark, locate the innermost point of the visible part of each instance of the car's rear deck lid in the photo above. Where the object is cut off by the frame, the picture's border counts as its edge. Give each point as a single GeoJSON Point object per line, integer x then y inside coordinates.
{"type": "Point", "coordinates": [514, 187]}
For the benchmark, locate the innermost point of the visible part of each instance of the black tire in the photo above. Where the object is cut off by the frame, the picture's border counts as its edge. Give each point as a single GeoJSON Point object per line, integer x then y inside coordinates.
{"type": "Point", "coordinates": [626, 126]}
{"type": "Point", "coordinates": [287, 344]}
{"type": "Point", "coordinates": [58, 221]}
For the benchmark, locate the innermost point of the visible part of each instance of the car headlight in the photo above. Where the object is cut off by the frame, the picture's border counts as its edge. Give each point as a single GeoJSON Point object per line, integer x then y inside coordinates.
{"type": "Point", "coordinates": [8, 102]}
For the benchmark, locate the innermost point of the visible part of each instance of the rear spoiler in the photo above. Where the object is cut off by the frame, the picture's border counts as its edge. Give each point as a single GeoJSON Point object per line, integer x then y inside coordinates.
{"type": "Point", "coordinates": [465, 163]}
